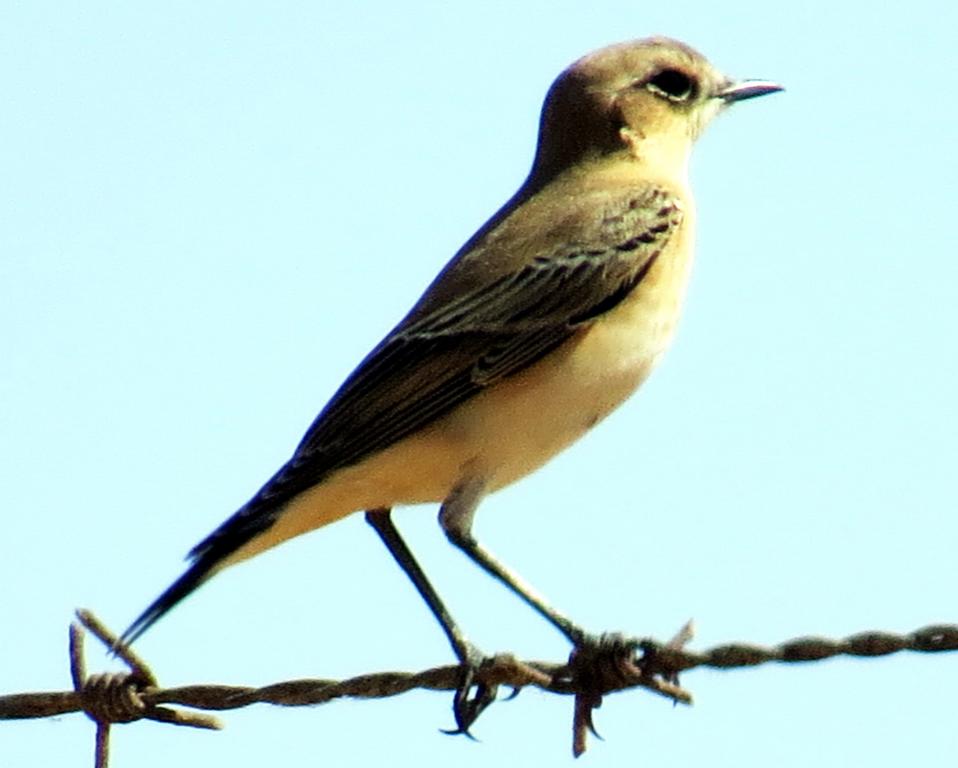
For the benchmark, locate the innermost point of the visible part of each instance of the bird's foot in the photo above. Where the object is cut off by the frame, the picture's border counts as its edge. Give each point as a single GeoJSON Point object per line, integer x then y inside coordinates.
{"type": "Point", "coordinates": [597, 665]}
{"type": "Point", "coordinates": [602, 663]}
{"type": "Point", "coordinates": [473, 694]}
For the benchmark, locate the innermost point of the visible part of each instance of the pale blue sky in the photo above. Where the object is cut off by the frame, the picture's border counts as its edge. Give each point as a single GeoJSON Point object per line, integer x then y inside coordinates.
{"type": "Point", "coordinates": [210, 212]}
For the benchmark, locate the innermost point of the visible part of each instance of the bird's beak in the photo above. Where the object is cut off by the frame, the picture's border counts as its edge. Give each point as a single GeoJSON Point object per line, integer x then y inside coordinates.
{"type": "Point", "coordinates": [747, 89]}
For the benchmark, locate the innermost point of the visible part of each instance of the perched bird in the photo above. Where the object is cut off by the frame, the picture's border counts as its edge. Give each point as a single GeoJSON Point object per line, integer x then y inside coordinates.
{"type": "Point", "coordinates": [547, 319]}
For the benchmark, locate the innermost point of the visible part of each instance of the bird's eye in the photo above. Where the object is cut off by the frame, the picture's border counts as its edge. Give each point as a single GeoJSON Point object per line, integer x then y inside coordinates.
{"type": "Point", "coordinates": [672, 84]}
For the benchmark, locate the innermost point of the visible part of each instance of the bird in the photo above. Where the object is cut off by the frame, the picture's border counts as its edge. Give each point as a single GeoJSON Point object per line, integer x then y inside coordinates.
{"type": "Point", "coordinates": [548, 318]}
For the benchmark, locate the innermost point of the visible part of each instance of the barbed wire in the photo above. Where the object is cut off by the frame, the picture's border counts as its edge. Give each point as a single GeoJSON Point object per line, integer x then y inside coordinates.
{"type": "Point", "coordinates": [616, 663]}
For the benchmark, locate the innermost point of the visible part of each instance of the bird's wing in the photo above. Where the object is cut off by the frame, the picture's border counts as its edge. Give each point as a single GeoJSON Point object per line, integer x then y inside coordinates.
{"type": "Point", "coordinates": [438, 358]}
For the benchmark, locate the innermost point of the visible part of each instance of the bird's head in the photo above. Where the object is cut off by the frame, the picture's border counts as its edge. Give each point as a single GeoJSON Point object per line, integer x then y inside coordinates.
{"type": "Point", "coordinates": [647, 100]}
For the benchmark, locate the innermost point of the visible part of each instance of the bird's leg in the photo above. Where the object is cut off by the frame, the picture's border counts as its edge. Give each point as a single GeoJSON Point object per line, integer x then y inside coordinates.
{"type": "Point", "coordinates": [465, 709]}
{"type": "Point", "coordinates": [598, 663]}
{"type": "Point", "coordinates": [456, 518]}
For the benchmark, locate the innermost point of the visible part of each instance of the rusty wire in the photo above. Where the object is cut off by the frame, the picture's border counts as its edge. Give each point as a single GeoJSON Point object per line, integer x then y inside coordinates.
{"type": "Point", "coordinates": [128, 696]}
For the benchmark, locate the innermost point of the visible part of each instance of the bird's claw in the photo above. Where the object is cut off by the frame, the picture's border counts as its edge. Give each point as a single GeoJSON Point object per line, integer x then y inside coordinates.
{"type": "Point", "coordinates": [598, 664]}
{"type": "Point", "coordinates": [605, 662]}
{"type": "Point", "coordinates": [514, 693]}
{"type": "Point", "coordinates": [466, 708]}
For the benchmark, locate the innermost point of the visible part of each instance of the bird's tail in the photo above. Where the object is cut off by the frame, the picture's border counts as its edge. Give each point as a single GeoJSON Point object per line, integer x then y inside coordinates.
{"type": "Point", "coordinates": [199, 571]}
{"type": "Point", "coordinates": [209, 557]}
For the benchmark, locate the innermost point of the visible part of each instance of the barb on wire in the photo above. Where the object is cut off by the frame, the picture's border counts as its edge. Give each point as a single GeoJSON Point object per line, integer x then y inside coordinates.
{"type": "Point", "coordinates": [615, 663]}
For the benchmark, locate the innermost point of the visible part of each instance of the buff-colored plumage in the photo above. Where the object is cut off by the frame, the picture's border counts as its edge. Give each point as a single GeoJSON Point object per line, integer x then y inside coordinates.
{"type": "Point", "coordinates": [545, 321]}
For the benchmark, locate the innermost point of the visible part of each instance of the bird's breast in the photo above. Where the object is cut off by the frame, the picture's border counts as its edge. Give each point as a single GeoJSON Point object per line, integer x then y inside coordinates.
{"type": "Point", "coordinates": [521, 422]}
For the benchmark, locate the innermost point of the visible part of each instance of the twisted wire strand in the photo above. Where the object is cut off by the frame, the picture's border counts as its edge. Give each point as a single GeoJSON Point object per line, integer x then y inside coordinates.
{"type": "Point", "coordinates": [129, 696]}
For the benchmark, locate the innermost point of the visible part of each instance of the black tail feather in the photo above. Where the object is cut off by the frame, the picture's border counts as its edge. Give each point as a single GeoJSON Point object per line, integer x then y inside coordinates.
{"type": "Point", "coordinates": [196, 574]}
{"type": "Point", "coordinates": [206, 558]}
